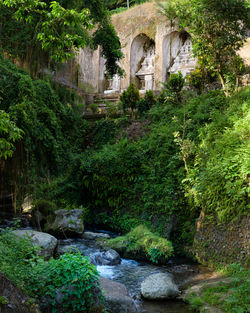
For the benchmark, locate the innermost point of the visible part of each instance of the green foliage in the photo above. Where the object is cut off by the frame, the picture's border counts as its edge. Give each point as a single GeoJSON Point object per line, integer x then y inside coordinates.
{"type": "Point", "coordinates": [9, 133]}
{"type": "Point", "coordinates": [196, 80]}
{"type": "Point", "coordinates": [218, 180]}
{"type": "Point", "coordinates": [141, 243]}
{"type": "Point", "coordinates": [93, 108]}
{"type": "Point", "coordinates": [51, 130]}
{"type": "Point", "coordinates": [112, 110]}
{"type": "Point", "coordinates": [218, 28]}
{"type": "Point", "coordinates": [146, 102]}
{"type": "Point", "coordinates": [106, 37]}
{"type": "Point", "coordinates": [172, 89]}
{"type": "Point", "coordinates": [130, 97]}
{"type": "Point", "coordinates": [15, 255]}
{"type": "Point", "coordinates": [59, 28]}
{"type": "Point", "coordinates": [73, 276]}
{"type": "Point", "coordinates": [3, 300]}
{"type": "Point", "coordinates": [231, 296]}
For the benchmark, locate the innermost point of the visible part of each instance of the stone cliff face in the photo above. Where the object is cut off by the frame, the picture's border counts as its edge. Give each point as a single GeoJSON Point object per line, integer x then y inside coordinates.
{"type": "Point", "coordinates": [217, 242]}
{"type": "Point", "coordinates": [149, 58]}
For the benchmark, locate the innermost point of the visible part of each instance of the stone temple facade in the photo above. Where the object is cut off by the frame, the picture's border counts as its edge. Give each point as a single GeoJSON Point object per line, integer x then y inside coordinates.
{"type": "Point", "coordinates": [145, 36]}
{"type": "Point", "coordinates": [152, 51]}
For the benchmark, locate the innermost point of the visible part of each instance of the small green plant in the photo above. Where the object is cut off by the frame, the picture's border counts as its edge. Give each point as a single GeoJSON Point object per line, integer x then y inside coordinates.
{"type": "Point", "coordinates": [111, 110]}
{"type": "Point", "coordinates": [130, 97]}
{"type": "Point", "coordinates": [93, 107]}
{"type": "Point", "coordinates": [172, 88]}
{"type": "Point", "coordinates": [17, 223]}
{"type": "Point", "coordinates": [3, 300]}
{"type": "Point", "coordinates": [146, 103]}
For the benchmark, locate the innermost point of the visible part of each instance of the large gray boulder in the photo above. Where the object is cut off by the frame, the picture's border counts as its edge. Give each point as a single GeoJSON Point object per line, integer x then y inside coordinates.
{"type": "Point", "coordinates": [110, 257]}
{"type": "Point", "coordinates": [45, 241]}
{"type": "Point", "coordinates": [66, 223]}
{"type": "Point", "coordinates": [116, 297]}
{"type": "Point", "coordinates": [159, 286]}
{"type": "Point", "coordinates": [92, 236]}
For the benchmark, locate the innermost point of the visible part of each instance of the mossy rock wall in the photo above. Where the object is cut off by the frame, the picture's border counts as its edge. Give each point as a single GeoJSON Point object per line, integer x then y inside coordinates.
{"type": "Point", "coordinates": [217, 243]}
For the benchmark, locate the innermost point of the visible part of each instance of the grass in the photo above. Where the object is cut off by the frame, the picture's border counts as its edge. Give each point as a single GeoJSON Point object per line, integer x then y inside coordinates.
{"type": "Point", "coordinates": [231, 296]}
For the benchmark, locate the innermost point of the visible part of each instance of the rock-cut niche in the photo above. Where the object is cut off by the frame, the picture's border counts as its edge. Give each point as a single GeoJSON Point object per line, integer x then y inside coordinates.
{"type": "Point", "coordinates": [177, 54]}
{"type": "Point", "coordinates": [142, 59]}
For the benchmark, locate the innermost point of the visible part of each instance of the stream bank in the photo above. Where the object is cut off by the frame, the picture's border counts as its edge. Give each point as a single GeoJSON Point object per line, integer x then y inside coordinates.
{"type": "Point", "coordinates": [131, 274]}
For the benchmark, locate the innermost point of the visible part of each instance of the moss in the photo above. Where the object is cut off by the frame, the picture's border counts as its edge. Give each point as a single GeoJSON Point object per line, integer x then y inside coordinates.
{"type": "Point", "coordinates": [141, 244]}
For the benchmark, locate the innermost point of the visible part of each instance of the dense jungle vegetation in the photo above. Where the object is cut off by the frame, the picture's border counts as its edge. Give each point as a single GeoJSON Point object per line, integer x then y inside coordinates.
{"type": "Point", "coordinates": [189, 153]}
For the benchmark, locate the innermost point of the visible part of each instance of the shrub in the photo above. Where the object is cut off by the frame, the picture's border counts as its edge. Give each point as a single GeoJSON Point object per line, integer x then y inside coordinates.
{"type": "Point", "coordinates": [175, 82]}
{"type": "Point", "coordinates": [219, 179]}
{"type": "Point", "coordinates": [111, 110]}
{"type": "Point", "coordinates": [130, 97]}
{"type": "Point", "coordinates": [172, 88]}
{"type": "Point", "coordinates": [70, 283]}
{"type": "Point", "coordinates": [146, 103]}
{"type": "Point", "coordinates": [93, 107]}
{"type": "Point", "coordinates": [196, 80]}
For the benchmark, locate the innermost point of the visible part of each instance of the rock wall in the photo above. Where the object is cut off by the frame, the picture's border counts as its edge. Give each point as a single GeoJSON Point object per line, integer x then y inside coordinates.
{"type": "Point", "coordinates": [216, 242]}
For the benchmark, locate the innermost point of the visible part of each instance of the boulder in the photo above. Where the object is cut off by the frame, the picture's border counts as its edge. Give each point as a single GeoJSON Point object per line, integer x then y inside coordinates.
{"type": "Point", "coordinates": [158, 287]}
{"type": "Point", "coordinates": [66, 223]}
{"type": "Point", "coordinates": [65, 249]}
{"type": "Point", "coordinates": [116, 297]}
{"type": "Point", "coordinates": [110, 257]}
{"type": "Point", "coordinates": [45, 241]}
{"type": "Point", "coordinates": [13, 299]}
{"type": "Point", "coordinates": [92, 236]}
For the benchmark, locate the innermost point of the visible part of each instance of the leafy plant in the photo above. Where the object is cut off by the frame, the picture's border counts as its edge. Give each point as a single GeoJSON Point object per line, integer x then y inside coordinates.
{"type": "Point", "coordinates": [93, 108]}
{"type": "Point", "coordinates": [130, 97]}
{"type": "Point", "coordinates": [72, 278]}
{"type": "Point", "coordinates": [15, 255]}
{"type": "Point", "coordinates": [9, 133]}
{"type": "Point", "coordinates": [146, 102]}
{"type": "Point", "coordinates": [70, 283]}
{"type": "Point", "coordinates": [172, 88]}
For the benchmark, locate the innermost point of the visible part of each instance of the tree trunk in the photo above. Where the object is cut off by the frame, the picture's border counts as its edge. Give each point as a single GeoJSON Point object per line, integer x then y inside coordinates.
{"type": "Point", "coordinates": [223, 83]}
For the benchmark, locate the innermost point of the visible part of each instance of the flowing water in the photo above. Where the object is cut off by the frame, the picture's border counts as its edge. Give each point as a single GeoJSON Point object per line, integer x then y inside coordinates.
{"type": "Point", "coordinates": [131, 273]}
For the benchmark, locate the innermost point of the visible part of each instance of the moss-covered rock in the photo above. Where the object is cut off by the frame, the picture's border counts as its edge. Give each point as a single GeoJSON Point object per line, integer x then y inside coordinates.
{"type": "Point", "coordinates": [142, 244]}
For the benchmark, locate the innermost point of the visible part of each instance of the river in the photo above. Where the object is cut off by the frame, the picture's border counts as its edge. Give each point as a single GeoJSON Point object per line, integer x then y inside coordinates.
{"type": "Point", "coordinates": [131, 273]}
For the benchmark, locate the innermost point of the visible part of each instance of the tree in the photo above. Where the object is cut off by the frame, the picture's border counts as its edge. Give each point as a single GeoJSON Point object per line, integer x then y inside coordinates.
{"type": "Point", "coordinates": [218, 28]}
{"type": "Point", "coordinates": [169, 10]}
{"type": "Point", "coordinates": [62, 27]}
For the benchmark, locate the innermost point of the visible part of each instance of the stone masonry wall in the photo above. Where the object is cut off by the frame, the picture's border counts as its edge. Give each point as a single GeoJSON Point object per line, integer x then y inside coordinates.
{"type": "Point", "coordinates": [216, 242]}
